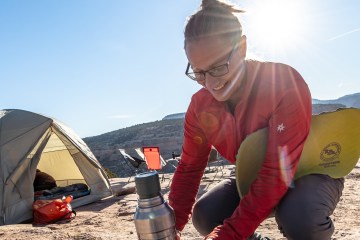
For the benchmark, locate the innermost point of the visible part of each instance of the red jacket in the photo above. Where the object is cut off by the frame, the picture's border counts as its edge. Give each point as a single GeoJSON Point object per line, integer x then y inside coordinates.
{"type": "Point", "coordinates": [273, 95]}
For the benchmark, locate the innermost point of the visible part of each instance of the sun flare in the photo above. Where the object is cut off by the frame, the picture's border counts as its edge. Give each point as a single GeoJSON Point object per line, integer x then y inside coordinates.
{"type": "Point", "coordinates": [276, 24]}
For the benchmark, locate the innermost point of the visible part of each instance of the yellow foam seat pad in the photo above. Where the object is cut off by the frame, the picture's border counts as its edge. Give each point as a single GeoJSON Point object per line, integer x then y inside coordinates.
{"type": "Point", "coordinates": [332, 148]}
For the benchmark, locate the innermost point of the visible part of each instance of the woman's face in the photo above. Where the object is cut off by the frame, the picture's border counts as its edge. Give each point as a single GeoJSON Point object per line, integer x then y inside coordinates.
{"type": "Point", "coordinates": [208, 53]}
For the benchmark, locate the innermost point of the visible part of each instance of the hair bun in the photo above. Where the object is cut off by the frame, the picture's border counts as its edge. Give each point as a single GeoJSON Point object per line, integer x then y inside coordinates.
{"type": "Point", "coordinates": [215, 18]}
{"type": "Point", "coordinates": [219, 4]}
{"type": "Point", "coordinates": [209, 4]}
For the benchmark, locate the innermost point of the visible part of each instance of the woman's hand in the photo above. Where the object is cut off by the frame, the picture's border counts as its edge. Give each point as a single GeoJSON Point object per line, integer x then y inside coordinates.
{"type": "Point", "coordinates": [178, 234]}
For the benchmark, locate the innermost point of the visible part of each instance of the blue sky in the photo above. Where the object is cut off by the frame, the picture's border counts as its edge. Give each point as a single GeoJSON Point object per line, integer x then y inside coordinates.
{"type": "Point", "coordinates": [99, 66]}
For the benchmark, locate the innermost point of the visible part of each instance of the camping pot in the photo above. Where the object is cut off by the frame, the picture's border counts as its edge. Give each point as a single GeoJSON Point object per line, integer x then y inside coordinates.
{"type": "Point", "coordinates": [154, 218]}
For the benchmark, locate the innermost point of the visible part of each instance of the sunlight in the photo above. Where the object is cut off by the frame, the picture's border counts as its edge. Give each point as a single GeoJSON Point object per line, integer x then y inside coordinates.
{"type": "Point", "coordinates": [277, 24]}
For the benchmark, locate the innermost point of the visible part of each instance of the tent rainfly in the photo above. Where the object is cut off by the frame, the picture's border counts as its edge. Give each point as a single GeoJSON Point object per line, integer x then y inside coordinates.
{"type": "Point", "coordinates": [29, 141]}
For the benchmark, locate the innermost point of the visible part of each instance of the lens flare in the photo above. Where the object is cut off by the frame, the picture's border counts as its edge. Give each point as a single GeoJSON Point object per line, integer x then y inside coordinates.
{"type": "Point", "coordinates": [286, 173]}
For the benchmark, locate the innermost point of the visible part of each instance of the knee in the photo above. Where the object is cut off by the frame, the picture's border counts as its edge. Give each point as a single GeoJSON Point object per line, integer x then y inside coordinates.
{"type": "Point", "coordinates": [301, 224]}
{"type": "Point", "coordinates": [201, 219]}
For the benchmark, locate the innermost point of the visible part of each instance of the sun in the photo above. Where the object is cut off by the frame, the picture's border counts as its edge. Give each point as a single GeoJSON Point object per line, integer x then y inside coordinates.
{"type": "Point", "coordinates": [276, 25]}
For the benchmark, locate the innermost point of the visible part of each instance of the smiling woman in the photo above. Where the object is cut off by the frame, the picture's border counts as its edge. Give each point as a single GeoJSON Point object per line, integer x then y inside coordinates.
{"type": "Point", "coordinates": [277, 24]}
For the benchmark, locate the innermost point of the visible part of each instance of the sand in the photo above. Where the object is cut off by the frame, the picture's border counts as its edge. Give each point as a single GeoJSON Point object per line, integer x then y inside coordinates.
{"type": "Point", "coordinates": [112, 218]}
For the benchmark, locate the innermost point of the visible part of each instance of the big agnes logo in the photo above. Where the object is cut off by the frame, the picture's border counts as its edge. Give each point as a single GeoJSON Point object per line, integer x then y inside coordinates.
{"type": "Point", "coordinates": [330, 152]}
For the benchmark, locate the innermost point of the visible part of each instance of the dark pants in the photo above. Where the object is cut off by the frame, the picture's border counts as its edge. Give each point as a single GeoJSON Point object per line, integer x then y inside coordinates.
{"type": "Point", "coordinates": [303, 213]}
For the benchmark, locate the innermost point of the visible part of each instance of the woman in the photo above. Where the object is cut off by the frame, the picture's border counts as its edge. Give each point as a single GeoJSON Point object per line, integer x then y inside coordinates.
{"type": "Point", "coordinates": [239, 97]}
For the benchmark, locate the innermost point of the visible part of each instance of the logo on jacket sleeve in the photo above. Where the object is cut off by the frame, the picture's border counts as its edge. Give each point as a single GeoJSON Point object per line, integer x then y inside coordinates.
{"type": "Point", "coordinates": [281, 127]}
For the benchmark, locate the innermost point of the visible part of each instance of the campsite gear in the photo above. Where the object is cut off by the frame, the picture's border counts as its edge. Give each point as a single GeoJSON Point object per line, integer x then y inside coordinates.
{"type": "Point", "coordinates": [51, 211]}
{"type": "Point", "coordinates": [43, 181]}
{"type": "Point", "coordinates": [133, 162]}
{"type": "Point", "coordinates": [76, 190]}
{"type": "Point", "coordinates": [152, 158]}
{"type": "Point", "coordinates": [217, 162]}
{"type": "Point", "coordinates": [154, 218]}
{"type": "Point", "coordinates": [29, 141]}
{"type": "Point", "coordinates": [67, 199]}
{"type": "Point", "coordinates": [331, 148]}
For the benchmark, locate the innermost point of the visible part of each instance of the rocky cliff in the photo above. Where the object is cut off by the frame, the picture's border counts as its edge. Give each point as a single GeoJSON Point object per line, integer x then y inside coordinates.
{"type": "Point", "coordinates": [166, 134]}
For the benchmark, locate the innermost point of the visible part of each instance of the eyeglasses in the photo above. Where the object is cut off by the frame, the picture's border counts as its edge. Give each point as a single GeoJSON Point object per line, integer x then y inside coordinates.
{"type": "Point", "coordinates": [217, 71]}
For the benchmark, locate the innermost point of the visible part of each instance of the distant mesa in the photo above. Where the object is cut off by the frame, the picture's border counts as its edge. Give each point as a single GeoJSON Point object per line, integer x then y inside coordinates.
{"type": "Point", "coordinates": [320, 108]}
{"type": "Point", "coordinates": [352, 100]}
{"type": "Point", "coordinates": [174, 116]}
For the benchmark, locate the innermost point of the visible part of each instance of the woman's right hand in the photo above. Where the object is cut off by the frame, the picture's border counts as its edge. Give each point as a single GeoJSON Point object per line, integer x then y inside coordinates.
{"type": "Point", "coordinates": [178, 234]}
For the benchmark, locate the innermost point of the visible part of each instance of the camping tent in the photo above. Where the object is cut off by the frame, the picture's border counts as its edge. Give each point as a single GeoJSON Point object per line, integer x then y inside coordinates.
{"type": "Point", "coordinates": [29, 141]}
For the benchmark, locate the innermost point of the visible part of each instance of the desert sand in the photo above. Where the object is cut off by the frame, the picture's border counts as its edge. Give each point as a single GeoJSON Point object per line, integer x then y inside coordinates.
{"type": "Point", "coordinates": [112, 218]}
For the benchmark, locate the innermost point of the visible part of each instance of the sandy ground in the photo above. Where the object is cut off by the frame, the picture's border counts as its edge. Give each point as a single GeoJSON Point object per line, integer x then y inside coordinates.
{"type": "Point", "coordinates": [112, 218]}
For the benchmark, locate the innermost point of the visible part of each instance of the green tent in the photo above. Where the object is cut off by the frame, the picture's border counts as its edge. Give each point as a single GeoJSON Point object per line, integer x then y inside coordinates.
{"type": "Point", "coordinates": [29, 141]}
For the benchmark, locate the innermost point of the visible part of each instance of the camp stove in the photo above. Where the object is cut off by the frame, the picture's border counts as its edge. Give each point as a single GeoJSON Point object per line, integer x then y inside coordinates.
{"type": "Point", "coordinates": [154, 218]}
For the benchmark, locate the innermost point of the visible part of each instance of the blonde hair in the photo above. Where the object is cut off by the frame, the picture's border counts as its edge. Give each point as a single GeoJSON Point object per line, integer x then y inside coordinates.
{"type": "Point", "coordinates": [215, 18]}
